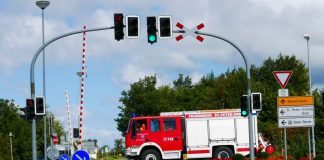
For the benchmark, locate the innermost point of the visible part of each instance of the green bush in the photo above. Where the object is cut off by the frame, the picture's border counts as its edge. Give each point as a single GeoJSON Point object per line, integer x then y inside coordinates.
{"type": "Point", "coordinates": [238, 157]}
{"type": "Point", "coordinates": [320, 157]}
{"type": "Point", "coordinates": [264, 155]}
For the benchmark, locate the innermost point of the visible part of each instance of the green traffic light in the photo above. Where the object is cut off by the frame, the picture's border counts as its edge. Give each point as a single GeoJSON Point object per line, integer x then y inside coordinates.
{"type": "Point", "coordinates": [152, 38]}
{"type": "Point", "coordinates": [244, 113]}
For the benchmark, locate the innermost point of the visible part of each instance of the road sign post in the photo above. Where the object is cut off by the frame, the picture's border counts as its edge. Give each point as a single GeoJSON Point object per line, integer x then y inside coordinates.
{"type": "Point", "coordinates": [295, 111]}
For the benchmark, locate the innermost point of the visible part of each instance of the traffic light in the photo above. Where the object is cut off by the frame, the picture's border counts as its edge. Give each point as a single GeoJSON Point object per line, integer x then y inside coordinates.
{"type": "Point", "coordinates": [244, 106]}
{"type": "Point", "coordinates": [75, 132]}
{"type": "Point", "coordinates": [30, 109]}
{"type": "Point", "coordinates": [165, 26]}
{"type": "Point", "coordinates": [151, 30]}
{"type": "Point", "coordinates": [132, 26]}
{"type": "Point", "coordinates": [119, 26]}
{"type": "Point", "coordinates": [256, 101]}
{"type": "Point", "coordinates": [51, 125]}
{"type": "Point", "coordinates": [40, 106]}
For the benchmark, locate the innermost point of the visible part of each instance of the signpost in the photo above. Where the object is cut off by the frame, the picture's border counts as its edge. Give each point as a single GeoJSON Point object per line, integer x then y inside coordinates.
{"type": "Point", "coordinates": [295, 111]}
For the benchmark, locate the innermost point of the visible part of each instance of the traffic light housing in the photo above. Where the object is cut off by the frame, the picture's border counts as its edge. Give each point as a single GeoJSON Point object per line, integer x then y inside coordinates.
{"type": "Point", "coordinates": [75, 132]}
{"type": "Point", "coordinates": [30, 109]}
{"type": "Point", "coordinates": [256, 101]}
{"type": "Point", "coordinates": [151, 30]}
{"type": "Point", "coordinates": [40, 106]}
{"type": "Point", "coordinates": [119, 26]}
{"type": "Point", "coordinates": [132, 26]}
{"type": "Point", "coordinates": [165, 26]}
{"type": "Point", "coordinates": [244, 106]}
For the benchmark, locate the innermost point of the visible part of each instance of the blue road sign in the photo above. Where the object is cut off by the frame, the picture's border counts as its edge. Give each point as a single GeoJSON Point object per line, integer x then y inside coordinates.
{"type": "Point", "coordinates": [64, 157]}
{"type": "Point", "coordinates": [81, 155]}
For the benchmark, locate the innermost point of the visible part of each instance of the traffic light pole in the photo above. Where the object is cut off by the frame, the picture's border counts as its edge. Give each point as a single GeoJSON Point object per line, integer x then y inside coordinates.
{"type": "Point", "coordinates": [32, 77]}
{"type": "Point", "coordinates": [247, 67]}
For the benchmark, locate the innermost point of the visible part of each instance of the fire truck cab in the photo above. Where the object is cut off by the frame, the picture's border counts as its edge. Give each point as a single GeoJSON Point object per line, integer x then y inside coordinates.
{"type": "Point", "coordinates": [158, 136]}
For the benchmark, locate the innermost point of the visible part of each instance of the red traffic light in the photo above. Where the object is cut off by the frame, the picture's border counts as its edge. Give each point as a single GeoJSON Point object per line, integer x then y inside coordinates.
{"type": "Point", "coordinates": [119, 26]}
{"type": "Point", "coordinates": [30, 103]}
{"type": "Point", "coordinates": [270, 149]}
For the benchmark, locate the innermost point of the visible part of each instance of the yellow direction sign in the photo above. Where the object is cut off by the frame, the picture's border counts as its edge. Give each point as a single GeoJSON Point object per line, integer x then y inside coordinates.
{"type": "Point", "coordinates": [295, 101]}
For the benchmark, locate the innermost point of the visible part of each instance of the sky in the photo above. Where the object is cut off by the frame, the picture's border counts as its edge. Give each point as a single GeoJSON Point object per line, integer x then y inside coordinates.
{"type": "Point", "coordinates": [261, 28]}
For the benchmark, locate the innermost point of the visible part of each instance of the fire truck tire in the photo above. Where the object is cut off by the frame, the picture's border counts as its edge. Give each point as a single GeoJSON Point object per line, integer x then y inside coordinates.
{"type": "Point", "coordinates": [222, 152]}
{"type": "Point", "coordinates": [150, 154]}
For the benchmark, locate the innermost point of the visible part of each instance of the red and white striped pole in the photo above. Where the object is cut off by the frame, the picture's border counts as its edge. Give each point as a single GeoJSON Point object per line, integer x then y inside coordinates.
{"type": "Point", "coordinates": [82, 87]}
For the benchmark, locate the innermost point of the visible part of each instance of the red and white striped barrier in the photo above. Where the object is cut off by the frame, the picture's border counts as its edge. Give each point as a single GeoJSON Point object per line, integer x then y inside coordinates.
{"type": "Point", "coordinates": [82, 87]}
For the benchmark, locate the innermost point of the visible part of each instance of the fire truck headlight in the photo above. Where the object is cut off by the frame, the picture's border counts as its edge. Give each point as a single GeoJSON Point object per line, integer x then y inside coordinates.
{"type": "Point", "coordinates": [132, 151]}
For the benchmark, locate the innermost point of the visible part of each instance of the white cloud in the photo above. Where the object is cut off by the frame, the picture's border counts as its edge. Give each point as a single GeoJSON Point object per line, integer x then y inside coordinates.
{"type": "Point", "coordinates": [17, 37]}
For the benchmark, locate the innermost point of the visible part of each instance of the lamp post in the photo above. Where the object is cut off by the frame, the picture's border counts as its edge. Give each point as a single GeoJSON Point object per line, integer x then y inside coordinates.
{"type": "Point", "coordinates": [42, 5]}
{"type": "Point", "coordinates": [10, 136]}
{"type": "Point", "coordinates": [306, 36]}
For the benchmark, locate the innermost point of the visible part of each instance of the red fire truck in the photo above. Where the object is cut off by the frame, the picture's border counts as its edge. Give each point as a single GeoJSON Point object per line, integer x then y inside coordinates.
{"type": "Point", "coordinates": [189, 135]}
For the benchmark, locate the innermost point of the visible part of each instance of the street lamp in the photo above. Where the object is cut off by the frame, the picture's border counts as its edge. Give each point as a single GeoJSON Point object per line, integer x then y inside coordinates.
{"type": "Point", "coordinates": [306, 36]}
{"type": "Point", "coordinates": [10, 136]}
{"type": "Point", "coordinates": [42, 5]}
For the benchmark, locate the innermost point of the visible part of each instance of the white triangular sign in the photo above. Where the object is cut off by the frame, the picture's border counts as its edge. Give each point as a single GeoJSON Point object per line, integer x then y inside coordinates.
{"type": "Point", "coordinates": [282, 77]}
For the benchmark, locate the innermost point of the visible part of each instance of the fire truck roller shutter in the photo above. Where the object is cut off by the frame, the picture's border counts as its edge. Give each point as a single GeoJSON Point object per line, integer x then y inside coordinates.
{"type": "Point", "coordinates": [222, 129]}
{"type": "Point", "coordinates": [197, 133]}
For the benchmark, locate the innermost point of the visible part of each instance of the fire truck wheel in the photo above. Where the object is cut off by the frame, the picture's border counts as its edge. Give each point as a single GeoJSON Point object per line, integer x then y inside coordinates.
{"type": "Point", "coordinates": [150, 154]}
{"type": "Point", "coordinates": [223, 152]}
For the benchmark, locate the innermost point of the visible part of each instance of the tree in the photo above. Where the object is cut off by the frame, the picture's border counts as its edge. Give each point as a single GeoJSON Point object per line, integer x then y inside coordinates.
{"type": "Point", "coordinates": [10, 121]}
{"type": "Point", "coordinates": [140, 99]}
{"type": "Point", "coordinates": [224, 91]}
{"type": "Point", "coordinates": [183, 82]}
{"type": "Point", "coordinates": [119, 147]}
